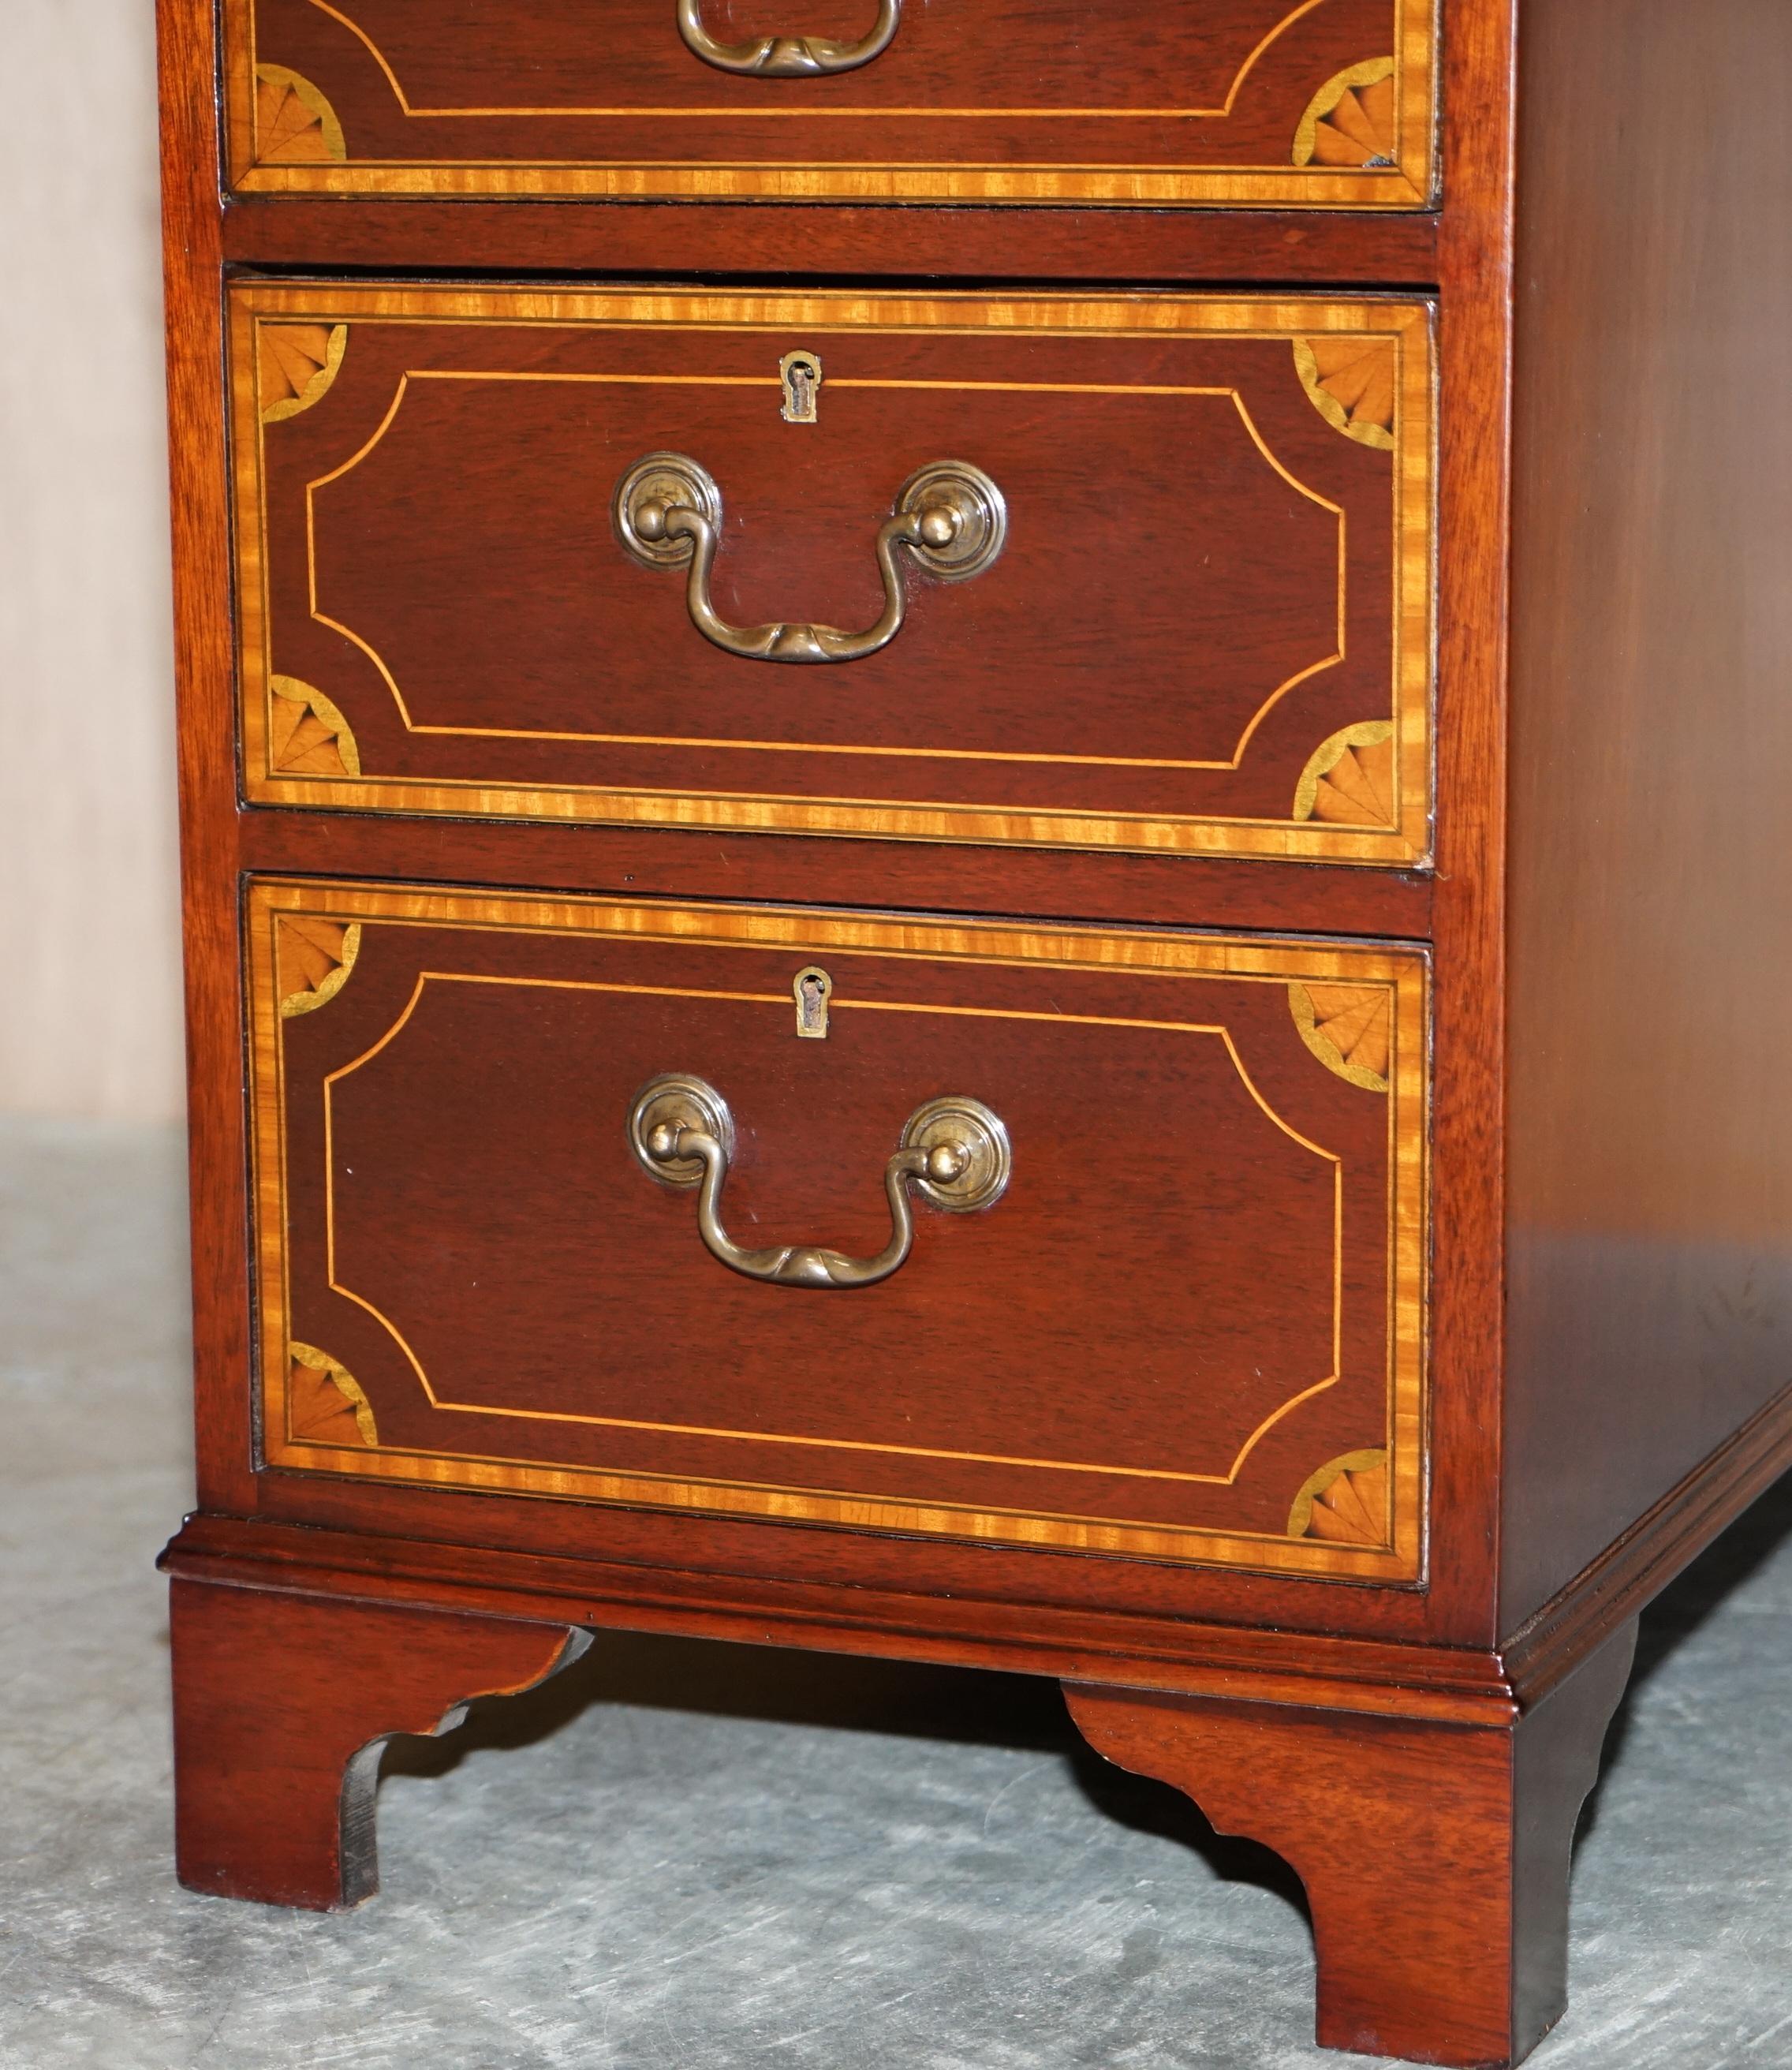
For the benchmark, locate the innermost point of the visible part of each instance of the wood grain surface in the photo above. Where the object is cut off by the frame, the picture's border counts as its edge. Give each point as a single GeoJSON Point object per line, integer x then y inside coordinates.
{"type": "Point", "coordinates": [281, 1704]}
{"type": "Point", "coordinates": [1321, 103]}
{"type": "Point", "coordinates": [204, 682]}
{"type": "Point", "coordinates": [1167, 891]}
{"type": "Point", "coordinates": [1064, 1438]}
{"type": "Point", "coordinates": [1435, 1856]}
{"type": "Point", "coordinates": [1122, 1624]}
{"type": "Point", "coordinates": [1165, 657]}
{"type": "Point", "coordinates": [1200, 1299]}
{"type": "Point", "coordinates": [684, 240]}
{"type": "Point", "coordinates": [1468, 1119]}
{"type": "Point", "coordinates": [222, 840]}
{"type": "Point", "coordinates": [1650, 1215]}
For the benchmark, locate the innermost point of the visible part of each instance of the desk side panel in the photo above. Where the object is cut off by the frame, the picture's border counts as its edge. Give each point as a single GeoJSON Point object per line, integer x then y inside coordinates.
{"type": "Point", "coordinates": [1650, 1139]}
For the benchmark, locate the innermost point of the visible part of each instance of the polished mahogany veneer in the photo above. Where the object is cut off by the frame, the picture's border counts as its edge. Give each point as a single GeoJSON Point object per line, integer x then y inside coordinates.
{"type": "Point", "coordinates": [1235, 101]}
{"type": "Point", "coordinates": [466, 1265]}
{"type": "Point", "coordinates": [1027, 933]}
{"type": "Point", "coordinates": [1230, 655]}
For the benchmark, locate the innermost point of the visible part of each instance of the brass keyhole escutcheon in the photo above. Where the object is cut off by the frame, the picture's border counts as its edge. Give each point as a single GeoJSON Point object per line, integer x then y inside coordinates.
{"type": "Point", "coordinates": [800, 373]}
{"type": "Point", "coordinates": [813, 988]}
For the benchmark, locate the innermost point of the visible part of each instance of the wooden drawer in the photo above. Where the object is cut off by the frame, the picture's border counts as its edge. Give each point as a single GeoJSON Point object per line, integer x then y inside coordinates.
{"type": "Point", "coordinates": [1208, 627]}
{"type": "Point", "coordinates": [1324, 104]}
{"type": "Point", "coordinates": [1190, 1329]}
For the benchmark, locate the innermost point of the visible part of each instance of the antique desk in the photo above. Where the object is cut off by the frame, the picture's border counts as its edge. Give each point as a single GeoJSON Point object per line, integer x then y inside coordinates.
{"type": "Point", "coordinates": [984, 861]}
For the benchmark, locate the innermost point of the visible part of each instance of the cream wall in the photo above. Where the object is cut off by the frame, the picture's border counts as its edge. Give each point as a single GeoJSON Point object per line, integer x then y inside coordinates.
{"type": "Point", "coordinates": [89, 1019]}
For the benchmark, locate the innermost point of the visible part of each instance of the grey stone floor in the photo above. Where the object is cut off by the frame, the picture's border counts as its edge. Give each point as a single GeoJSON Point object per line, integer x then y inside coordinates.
{"type": "Point", "coordinates": [688, 1857]}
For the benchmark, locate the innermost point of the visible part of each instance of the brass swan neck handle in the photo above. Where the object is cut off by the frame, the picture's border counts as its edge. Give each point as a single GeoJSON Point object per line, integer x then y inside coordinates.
{"type": "Point", "coordinates": [787, 57]}
{"type": "Point", "coordinates": [951, 517]}
{"type": "Point", "coordinates": [953, 1151]}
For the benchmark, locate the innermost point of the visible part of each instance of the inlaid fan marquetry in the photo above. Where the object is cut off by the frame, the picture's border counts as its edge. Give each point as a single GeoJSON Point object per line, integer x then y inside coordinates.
{"type": "Point", "coordinates": [1350, 781]}
{"type": "Point", "coordinates": [1346, 1502]}
{"type": "Point", "coordinates": [295, 364]}
{"type": "Point", "coordinates": [312, 958]}
{"type": "Point", "coordinates": [307, 735]}
{"type": "Point", "coordinates": [294, 125]}
{"type": "Point", "coordinates": [324, 1404]}
{"type": "Point", "coordinates": [1353, 382]}
{"type": "Point", "coordinates": [1350, 121]}
{"type": "Point", "coordinates": [1349, 1028]}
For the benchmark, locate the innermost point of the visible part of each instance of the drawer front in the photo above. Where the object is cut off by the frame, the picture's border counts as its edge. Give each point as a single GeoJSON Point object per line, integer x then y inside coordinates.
{"type": "Point", "coordinates": [1319, 103]}
{"type": "Point", "coordinates": [1179, 1317]}
{"type": "Point", "coordinates": [1187, 607]}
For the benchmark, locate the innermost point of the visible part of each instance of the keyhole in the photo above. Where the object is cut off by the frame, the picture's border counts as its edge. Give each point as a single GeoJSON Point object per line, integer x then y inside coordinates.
{"type": "Point", "coordinates": [801, 373]}
{"type": "Point", "coordinates": [813, 988]}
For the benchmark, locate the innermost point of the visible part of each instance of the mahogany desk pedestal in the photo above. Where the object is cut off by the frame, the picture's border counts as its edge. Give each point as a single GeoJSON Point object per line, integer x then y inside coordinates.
{"type": "Point", "coordinates": [984, 862]}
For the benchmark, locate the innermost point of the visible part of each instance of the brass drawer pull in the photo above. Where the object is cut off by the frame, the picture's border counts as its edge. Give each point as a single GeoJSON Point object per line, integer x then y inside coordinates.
{"type": "Point", "coordinates": [953, 1151]}
{"type": "Point", "coordinates": [950, 515]}
{"type": "Point", "coordinates": [787, 57]}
